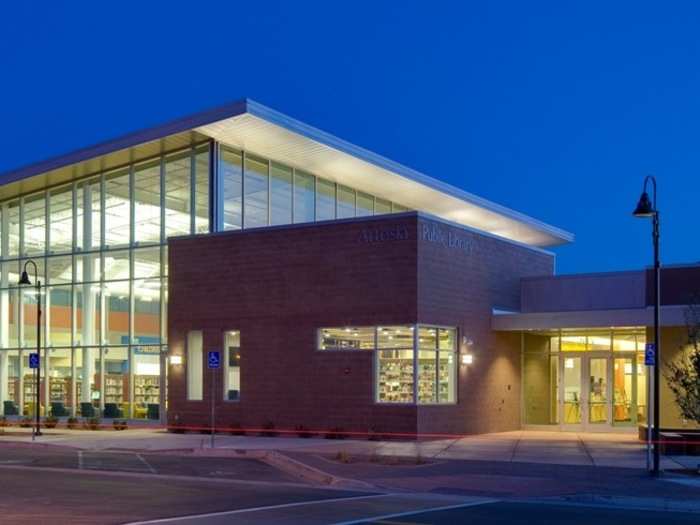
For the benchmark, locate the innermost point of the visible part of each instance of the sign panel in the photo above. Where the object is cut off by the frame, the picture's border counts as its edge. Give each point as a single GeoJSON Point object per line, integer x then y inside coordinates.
{"type": "Point", "coordinates": [650, 354]}
{"type": "Point", "coordinates": [214, 359]}
{"type": "Point", "coordinates": [34, 360]}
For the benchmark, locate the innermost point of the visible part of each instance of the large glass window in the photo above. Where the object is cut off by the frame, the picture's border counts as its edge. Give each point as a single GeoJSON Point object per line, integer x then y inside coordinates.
{"type": "Point", "coordinates": [147, 202]}
{"type": "Point", "coordinates": [13, 228]}
{"type": "Point", "coordinates": [59, 312]}
{"type": "Point", "coordinates": [303, 197]}
{"type": "Point", "coordinates": [231, 175]}
{"type": "Point", "coordinates": [398, 357]}
{"type": "Point", "coordinates": [88, 203]}
{"type": "Point", "coordinates": [194, 365]}
{"type": "Point", "coordinates": [280, 194]}
{"type": "Point", "coordinates": [115, 306]}
{"type": "Point", "coordinates": [178, 186]}
{"type": "Point", "coordinates": [325, 200]}
{"type": "Point", "coordinates": [255, 187]}
{"type": "Point", "coordinates": [61, 220]}
{"type": "Point", "coordinates": [34, 231]}
{"type": "Point", "coordinates": [346, 338]}
{"type": "Point", "coordinates": [365, 204]}
{"type": "Point", "coordinates": [116, 382]}
{"type": "Point", "coordinates": [146, 363]}
{"type": "Point", "coordinates": [146, 296]}
{"type": "Point", "coordinates": [117, 212]}
{"type": "Point", "coordinates": [232, 375]}
{"type": "Point", "coordinates": [60, 378]}
{"type": "Point", "coordinates": [201, 195]}
{"type": "Point", "coordinates": [346, 202]}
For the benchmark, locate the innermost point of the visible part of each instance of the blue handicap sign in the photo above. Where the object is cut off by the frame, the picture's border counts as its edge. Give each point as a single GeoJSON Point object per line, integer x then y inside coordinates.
{"type": "Point", "coordinates": [34, 360]}
{"type": "Point", "coordinates": [650, 354]}
{"type": "Point", "coordinates": [214, 359]}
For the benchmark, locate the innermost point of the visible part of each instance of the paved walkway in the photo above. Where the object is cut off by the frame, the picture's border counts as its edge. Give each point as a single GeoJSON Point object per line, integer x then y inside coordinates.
{"type": "Point", "coordinates": [525, 446]}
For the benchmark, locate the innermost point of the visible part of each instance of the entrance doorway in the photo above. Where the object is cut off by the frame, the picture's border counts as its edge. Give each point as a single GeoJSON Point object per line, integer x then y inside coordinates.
{"type": "Point", "coordinates": [599, 391]}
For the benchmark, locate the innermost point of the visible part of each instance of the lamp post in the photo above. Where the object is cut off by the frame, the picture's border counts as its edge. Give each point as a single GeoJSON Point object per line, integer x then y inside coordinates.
{"type": "Point", "coordinates": [647, 208]}
{"type": "Point", "coordinates": [24, 279]}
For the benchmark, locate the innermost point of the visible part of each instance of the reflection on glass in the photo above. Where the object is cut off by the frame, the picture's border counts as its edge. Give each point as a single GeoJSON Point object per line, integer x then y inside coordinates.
{"type": "Point", "coordinates": [34, 224]}
{"type": "Point", "coordinates": [365, 204]}
{"type": "Point", "coordinates": [178, 176]}
{"type": "Point", "coordinates": [146, 311]}
{"type": "Point", "coordinates": [232, 376]}
{"type": "Point", "coordinates": [201, 196]}
{"type": "Point", "coordinates": [60, 381]}
{"type": "Point", "coordinates": [622, 385]}
{"type": "Point", "coordinates": [146, 362]}
{"type": "Point", "coordinates": [255, 186]}
{"type": "Point", "coordinates": [303, 197]}
{"type": "Point", "coordinates": [116, 382]}
{"type": "Point", "coordinates": [231, 174]}
{"type": "Point", "coordinates": [12, 211]}
{"type": "Point", "coordinates": [572, 390]}
{"type": "Point", "coordinates": [147, 202]}
{"type": "Point", "coordinates": [346, 202]}
{"type": "Point", "coordinates": [381, 206]}
{"type": "Point", "coordinates": [598, 390]}
{"type": "Point", "coordinates": [146, 262]}
{"type": "Point", "coordinates": [58, 310]}
{"type": "Point", "coordinates": [325, 200]}
{"type": "Point", "coordinates": [347, 338]}
{"type": "Point", "coordinates": [115, 305]}
{"type": "Point", "coordinates": [88, 215]}
{"type": "Point", "coordinates": [117, 212]}
{"type": "Point", "coordinates": [61, 220]}
{"type": "Point", "coordinates": [280, 194]}
{"type": "Point", "coordinates": [395, 376]}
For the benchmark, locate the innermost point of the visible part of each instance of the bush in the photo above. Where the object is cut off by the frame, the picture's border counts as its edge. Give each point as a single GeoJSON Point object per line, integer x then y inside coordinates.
{"type": "Point", "coordinates": [72, 422]}
{"type": "Point", "coordinates": [269, 430]}
{"type": "Point", "coordinates": [335, 433]}
{"type": "Point", "coordinates": [303, 432]}
{"type": "Point", "coordinates": [236, 429]}
{"type": "Point", "coordinates": [25, 422]}
{"type": "Point", "coordinates": [120, 425]}
{"type": "Point", "coordinates": [92, 423]}
{"type": "Point", "coordinates": [51, 422]}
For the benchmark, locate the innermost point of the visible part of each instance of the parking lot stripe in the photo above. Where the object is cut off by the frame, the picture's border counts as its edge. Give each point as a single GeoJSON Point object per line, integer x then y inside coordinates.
{"type": "Point", "coordinates": [255, 509]}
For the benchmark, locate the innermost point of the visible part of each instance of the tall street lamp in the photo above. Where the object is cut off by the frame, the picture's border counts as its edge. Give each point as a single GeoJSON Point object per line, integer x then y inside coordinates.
{"type": "Point", "coordinates": [25, 280]}
{"type": "Point", "coordinates": [647, 208]}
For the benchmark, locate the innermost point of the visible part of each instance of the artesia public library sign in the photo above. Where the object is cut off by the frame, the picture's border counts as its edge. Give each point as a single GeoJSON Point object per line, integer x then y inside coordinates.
{"type": "Point", "coordinates": [429, 232]}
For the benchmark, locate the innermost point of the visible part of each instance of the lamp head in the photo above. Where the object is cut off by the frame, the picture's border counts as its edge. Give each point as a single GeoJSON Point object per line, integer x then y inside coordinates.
{"type": "Point", "coordinates": [25, 278]}
{"type": "Point", "coordinates": [644, 208]}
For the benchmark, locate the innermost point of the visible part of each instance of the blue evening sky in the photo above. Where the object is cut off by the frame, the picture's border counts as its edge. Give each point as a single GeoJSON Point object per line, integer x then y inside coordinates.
{"type": "Point", "coordinates": [556, 109]}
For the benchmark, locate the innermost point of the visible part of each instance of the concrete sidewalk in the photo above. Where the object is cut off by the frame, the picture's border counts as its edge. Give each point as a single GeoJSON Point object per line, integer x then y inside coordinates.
{"type": "Point", "coordinates": [558, 448]}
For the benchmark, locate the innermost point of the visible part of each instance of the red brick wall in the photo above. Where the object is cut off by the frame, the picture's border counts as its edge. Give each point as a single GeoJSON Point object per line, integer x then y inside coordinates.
{"type": "Point", "coordinates": [462, 275]}
{"type": "Point", "coordinates": [279, 285]}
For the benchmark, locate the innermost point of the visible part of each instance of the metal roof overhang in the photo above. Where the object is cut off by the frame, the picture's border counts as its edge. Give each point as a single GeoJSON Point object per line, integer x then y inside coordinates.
{"type": "Point", "coordinates": [671, 315]}
{"type": "Point", "coordinates": [251, 126]}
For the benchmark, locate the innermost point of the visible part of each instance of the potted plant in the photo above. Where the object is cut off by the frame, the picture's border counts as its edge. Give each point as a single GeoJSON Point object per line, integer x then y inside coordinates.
{"type": "Point", "coordinates": [72, 423]}
{"type": "Point", "coordinates": [51, 422]}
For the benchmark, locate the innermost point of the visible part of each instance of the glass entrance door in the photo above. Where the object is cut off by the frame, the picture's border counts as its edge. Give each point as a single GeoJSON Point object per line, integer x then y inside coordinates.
{"type": "Point", "coordinates": [629, 390]}
{"type": "Point", "coordinates": [585, 392]}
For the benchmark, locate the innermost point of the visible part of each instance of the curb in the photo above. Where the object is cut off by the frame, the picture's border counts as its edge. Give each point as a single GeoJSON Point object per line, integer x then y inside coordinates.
{"type": "Point", "coordinates": [620, 502]}
{"type": "Point", "coordinates": [291, 466]}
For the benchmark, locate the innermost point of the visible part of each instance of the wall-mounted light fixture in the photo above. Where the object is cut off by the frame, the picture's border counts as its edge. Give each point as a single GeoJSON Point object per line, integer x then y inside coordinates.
{"type": "Point", "coordinates": [176, 359]}
{"type": "Point", "coordinates": [467, 356]}
{"type": "Point", "coordinates": [467, 359]}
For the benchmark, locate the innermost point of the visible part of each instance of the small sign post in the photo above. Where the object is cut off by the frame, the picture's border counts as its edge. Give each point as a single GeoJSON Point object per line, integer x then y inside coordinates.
{"type": "Point", "coordinates": [214, 363]}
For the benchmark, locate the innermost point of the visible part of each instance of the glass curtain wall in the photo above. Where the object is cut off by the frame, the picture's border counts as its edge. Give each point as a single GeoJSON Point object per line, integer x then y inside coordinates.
{"type": "Point", "coordinates": [100, 248]}
{"type": "Point", "coordinates": [259, 192]}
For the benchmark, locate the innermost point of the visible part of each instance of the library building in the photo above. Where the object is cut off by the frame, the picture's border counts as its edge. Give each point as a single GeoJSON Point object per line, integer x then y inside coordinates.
{"type": "Point", "coordinates": [343, 291]}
